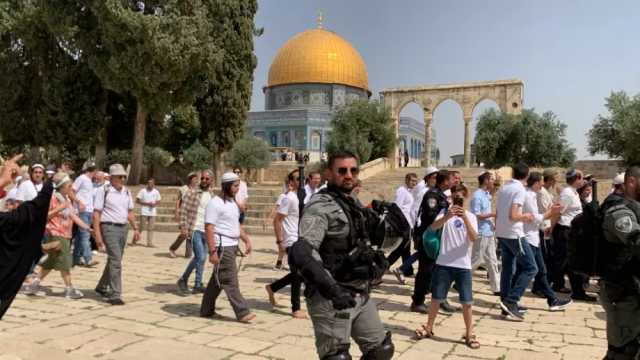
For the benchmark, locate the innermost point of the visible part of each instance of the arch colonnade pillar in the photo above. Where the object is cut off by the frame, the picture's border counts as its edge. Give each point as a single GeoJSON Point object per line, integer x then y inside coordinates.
{"type": "Point", "coordinates": [508, 94]}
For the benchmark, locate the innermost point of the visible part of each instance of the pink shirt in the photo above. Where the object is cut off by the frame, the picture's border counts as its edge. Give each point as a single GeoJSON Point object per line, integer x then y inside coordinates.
{"type": "Point", "coordinates": [61, 223]}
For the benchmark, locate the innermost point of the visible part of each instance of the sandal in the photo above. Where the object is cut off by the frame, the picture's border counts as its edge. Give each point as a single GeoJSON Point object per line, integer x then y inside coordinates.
{"type": "Point", "coordinates": [472, 342]}
{"type": "Point", "coordinates": [247, 319]}
{"type": "Point", "coordinates": [423, 333]}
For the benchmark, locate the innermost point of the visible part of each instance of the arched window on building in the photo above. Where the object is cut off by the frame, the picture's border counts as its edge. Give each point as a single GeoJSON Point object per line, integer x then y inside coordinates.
{"type": "Point", "coordinates": [316, 139]}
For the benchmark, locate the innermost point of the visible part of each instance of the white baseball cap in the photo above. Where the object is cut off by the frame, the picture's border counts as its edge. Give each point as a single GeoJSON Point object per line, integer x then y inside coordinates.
{"type": "Point", "coordinates": [431, 170]}
{"type": "Point", "coordinates": [229, 177]}
{"type": "Point", "coordinates": [619, 179]}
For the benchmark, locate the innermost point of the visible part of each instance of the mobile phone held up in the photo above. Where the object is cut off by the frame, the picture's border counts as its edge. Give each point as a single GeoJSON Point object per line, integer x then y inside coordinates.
{"type": "Point", "coordinates": [459, 201]}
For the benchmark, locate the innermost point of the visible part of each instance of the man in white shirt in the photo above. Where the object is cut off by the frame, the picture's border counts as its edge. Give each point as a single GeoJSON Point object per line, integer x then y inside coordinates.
{"type": "Point", "coordinates": [223, 230]}
{"type": "Point", "coordinates": [516, 252]}
{"type": "Point", "coordinates": [29, 189]}
{"type": "Point", "coordinates": [84, 191]}
{"type": "Point", "coordinates": [546, 198]}
{"type": "Point", "coordinates": [148, 198]}
{"type": "Point", "coordinates": [242, 195]}
{"type": "Point", "coordinates": [285, 225]}
{"type": "Point", "coordinates": [404, 200]}
{"type": "Point", "coordinates": [571, 207]}
{"type": "Point", "coordinates": [112, 209]}
{"type": "Point", "coordinates": [532, 234]}
{"type": "Point", "coordinates": [312, 186]}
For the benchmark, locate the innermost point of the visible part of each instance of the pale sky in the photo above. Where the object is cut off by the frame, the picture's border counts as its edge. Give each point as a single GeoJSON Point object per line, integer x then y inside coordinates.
{"type": "Point", "coordinates": [570, 54]}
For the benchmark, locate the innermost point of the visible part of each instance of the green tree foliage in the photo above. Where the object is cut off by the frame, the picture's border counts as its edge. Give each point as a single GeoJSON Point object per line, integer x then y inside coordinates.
{"type": "Point", "coordinates": [197, 156]}
{"type": "Point", "coordinates": [364, 128]}
{"type": "Point", "coordinates": [182, 130]}
{"type": "Point", "coordinates": [538, 140]}
{"type": "Point", "coordinates": [250, 153]}
{"type": "Point", "coordinates": [617, 134]}
{"type": "Point", "coordinates": [48, 96]}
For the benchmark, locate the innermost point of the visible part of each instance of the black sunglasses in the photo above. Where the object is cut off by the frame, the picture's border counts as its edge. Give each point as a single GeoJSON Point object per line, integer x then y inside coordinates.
{"type": "Point", "coordinates": [343, 171]}
{"type": "Point", "coordinates": [205, 179]}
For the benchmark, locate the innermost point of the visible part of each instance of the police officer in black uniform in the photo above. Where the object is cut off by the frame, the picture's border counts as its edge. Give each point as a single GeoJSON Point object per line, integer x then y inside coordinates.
{"type": "Point", "coordinates": [335, 257]}
{"type": "Point", "coordinates": [433, 202]}
{"type": "Point", "coordinates": [620, 269]}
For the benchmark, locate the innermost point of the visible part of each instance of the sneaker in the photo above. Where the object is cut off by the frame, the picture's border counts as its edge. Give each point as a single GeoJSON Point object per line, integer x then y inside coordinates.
{"type": "Point", "coordinates": [94, 252]}
{"type": "Point", "coordinates": [73, 293]}
{"type": "Point", "coordinates": [523, 309]}
{"type": "Point", "coordinates": [199, 289]}
{"type": "Point", "coordinates": [92, 263]}
{"type": "Point", "coordinates": [448, 308]}
{"type": "Point", "coordinates": [559, 305]}
{"type": "Point", "coordinates": [419, 308]}
{"type": "Point", "coordinates": [399, 276]}
{"type": "Point", "coordinates": [33, 287]}
{"type": "Point", "coordinates": [116, 301]}
{"type": "Point", "coordinates": [512, 312]}
{"type": "Point", "coordinates": [183, 288]}
{"type": "Point", "coordinates": [584, 297]}
{"type": "Point", "coordinates": [102, 292]}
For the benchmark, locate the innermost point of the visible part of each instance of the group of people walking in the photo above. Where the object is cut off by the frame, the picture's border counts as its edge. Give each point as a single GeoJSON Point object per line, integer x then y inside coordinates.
{"type": "Point", "coordinates": [516, 238]}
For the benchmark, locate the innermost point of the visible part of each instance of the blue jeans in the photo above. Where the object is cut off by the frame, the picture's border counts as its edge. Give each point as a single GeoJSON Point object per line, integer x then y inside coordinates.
{"type": "Point", "coordinates": [443, 276]}
{"type": "Point", "coordinates": [516, 254]}
{"type": "Point", "coordinates": [81, 242]}
{"type": "Point", "coordinates": [407, 264]}
{"type": "Point", "coordinates": [200, 251]}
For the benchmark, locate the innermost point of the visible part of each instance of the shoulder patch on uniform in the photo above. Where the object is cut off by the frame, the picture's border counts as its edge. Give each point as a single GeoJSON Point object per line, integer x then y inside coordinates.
{"type": "Point", "coordinates": [310, 228]}
{"type": "Point", "coordinates": [624, 224]}
{"type": "Point", "coordinates": [432, 203]}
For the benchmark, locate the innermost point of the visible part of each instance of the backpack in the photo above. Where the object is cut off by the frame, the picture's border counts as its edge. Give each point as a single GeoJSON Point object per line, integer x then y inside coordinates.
{"type": "Point", "coordinates": [431, 242]}
{"type": "Point", "coordinates": [586, 242]}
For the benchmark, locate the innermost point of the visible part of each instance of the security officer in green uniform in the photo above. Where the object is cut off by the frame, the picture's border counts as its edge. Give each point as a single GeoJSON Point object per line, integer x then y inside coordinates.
{"type": "Point", "coordinates": [336, 260]}
{"type": "Point", "coordinates": [620, 268]}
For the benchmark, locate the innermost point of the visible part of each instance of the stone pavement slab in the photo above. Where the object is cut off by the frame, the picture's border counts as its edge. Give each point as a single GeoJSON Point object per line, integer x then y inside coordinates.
{"type": "Point", "coordinates": [158, 323]}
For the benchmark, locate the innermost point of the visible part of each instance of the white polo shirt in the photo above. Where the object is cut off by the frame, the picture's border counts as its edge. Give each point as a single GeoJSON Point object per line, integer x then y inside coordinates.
{"type": "Point", "coordinates": [513, 192]}
{"type": "Point", "coordinates": [289, 206]}
{"type": "Point", "coordinates": [28, 191]}
{"type": "Point", "coordinates": [115, 206]}
{"type": "Point", "coordinates": [204, 201]}
{"type": "Point", "coordinates": [404, 200]}
{"type": "Point", "coordinates": [571, 205]}
{"type": "Point", "coordinates": [147, 196]}
{"type": "Point", "coordinates": [532, 229]}
{"type": "Point", "coordinates": [225, 215]}
{"type": "Point", "coordinates": [83, 186]}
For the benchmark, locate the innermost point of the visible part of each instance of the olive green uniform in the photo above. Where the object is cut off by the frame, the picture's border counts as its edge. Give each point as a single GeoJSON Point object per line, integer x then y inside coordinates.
{"type": "Point", "coordinates": [620, 288]}
{"type": "Point", "coordinates": [324, 220]}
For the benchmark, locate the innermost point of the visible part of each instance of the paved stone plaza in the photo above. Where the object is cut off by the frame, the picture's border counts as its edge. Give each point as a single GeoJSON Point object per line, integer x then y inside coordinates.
{"type": "Point", "coordinates": [158, 324]}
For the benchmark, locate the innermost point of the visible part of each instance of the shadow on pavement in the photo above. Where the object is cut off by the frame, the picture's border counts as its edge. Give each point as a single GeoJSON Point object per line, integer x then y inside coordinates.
{"type": "Point", "coordinates": [163, 289]}
{"type": "Point", "coordinates": [184, 309]}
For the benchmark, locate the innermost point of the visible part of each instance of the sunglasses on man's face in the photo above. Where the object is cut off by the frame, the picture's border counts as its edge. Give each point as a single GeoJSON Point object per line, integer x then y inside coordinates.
{"type": "Point", "coordinates": [205, 179]}
{"type": "Point", "coordinates": [343, 171]}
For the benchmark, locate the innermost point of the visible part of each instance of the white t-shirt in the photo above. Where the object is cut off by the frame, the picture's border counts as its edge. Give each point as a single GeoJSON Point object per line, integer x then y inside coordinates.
{"type": "Point", "coordinates": [404, 200]}
{"type": "Point", "coordinates": [417, 201]}
{"type": "Point", "coordinates": [571, 205]}
{"type": "Point", "coordinates": [513, 192]}
{"type": "Point", "coordinates": [83, 186]}
{"type": "Point", "coordinates": [28, 191]}
{"type": "Point", "coordinates": [147, 196]}
{"type": "Point", "coordinates": [545, 200]}
{"type": "Point", "coordinates": [204, 201]}
{"type": "Point", "coordinates": [11, 194]}
{"type": "Point", "coordinates": [243, 193]}
{"type": "Point", "coordinates": [532, 229]}
{"type": "Point", "coordinates": [309, 192]}
{"type": "Point", "coordinates": [225, 215]}
{"type": "Point", "coordinates": [455, 247]}
{"type": "Point", "coordinates": [289, 206]}
{"type": "Point", "coordinates": [115, 206]}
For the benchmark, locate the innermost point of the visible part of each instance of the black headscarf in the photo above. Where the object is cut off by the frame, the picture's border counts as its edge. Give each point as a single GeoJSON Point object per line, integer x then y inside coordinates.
{"type": "Point", "coordinates": [21, 232]}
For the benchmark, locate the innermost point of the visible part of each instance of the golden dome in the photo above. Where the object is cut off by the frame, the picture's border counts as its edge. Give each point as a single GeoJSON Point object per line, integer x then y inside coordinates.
{"type": "Point", "coordinates": [318, 56]}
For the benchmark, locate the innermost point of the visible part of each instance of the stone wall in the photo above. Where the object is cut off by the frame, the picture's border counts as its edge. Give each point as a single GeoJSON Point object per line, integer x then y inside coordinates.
{"type": "Point", "coordinates": [601, 169]}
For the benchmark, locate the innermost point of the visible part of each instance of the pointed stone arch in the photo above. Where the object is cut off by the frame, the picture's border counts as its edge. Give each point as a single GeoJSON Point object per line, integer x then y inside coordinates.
{"type": "Point", "coordinates": [508, 94]}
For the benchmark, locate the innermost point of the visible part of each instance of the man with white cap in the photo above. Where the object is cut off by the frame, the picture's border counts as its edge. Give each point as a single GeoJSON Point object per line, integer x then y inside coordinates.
{"type": "Point", "coordinates": [618, 184]}
{"type": "Point", "coordinates": [29, 189]}
{"type": "Point", "coordinates": [112, 209]}
{"type": "Point", "coordinates": [222, 226]}
{"type": "Point", "coordinates": [84, 191]}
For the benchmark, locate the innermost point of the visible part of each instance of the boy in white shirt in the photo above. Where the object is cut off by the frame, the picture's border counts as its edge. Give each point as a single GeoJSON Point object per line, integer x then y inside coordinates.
{"type": "Point", "coordinates": [148, 197]}
{"type": "Point", "coordinates": [459, 231]}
